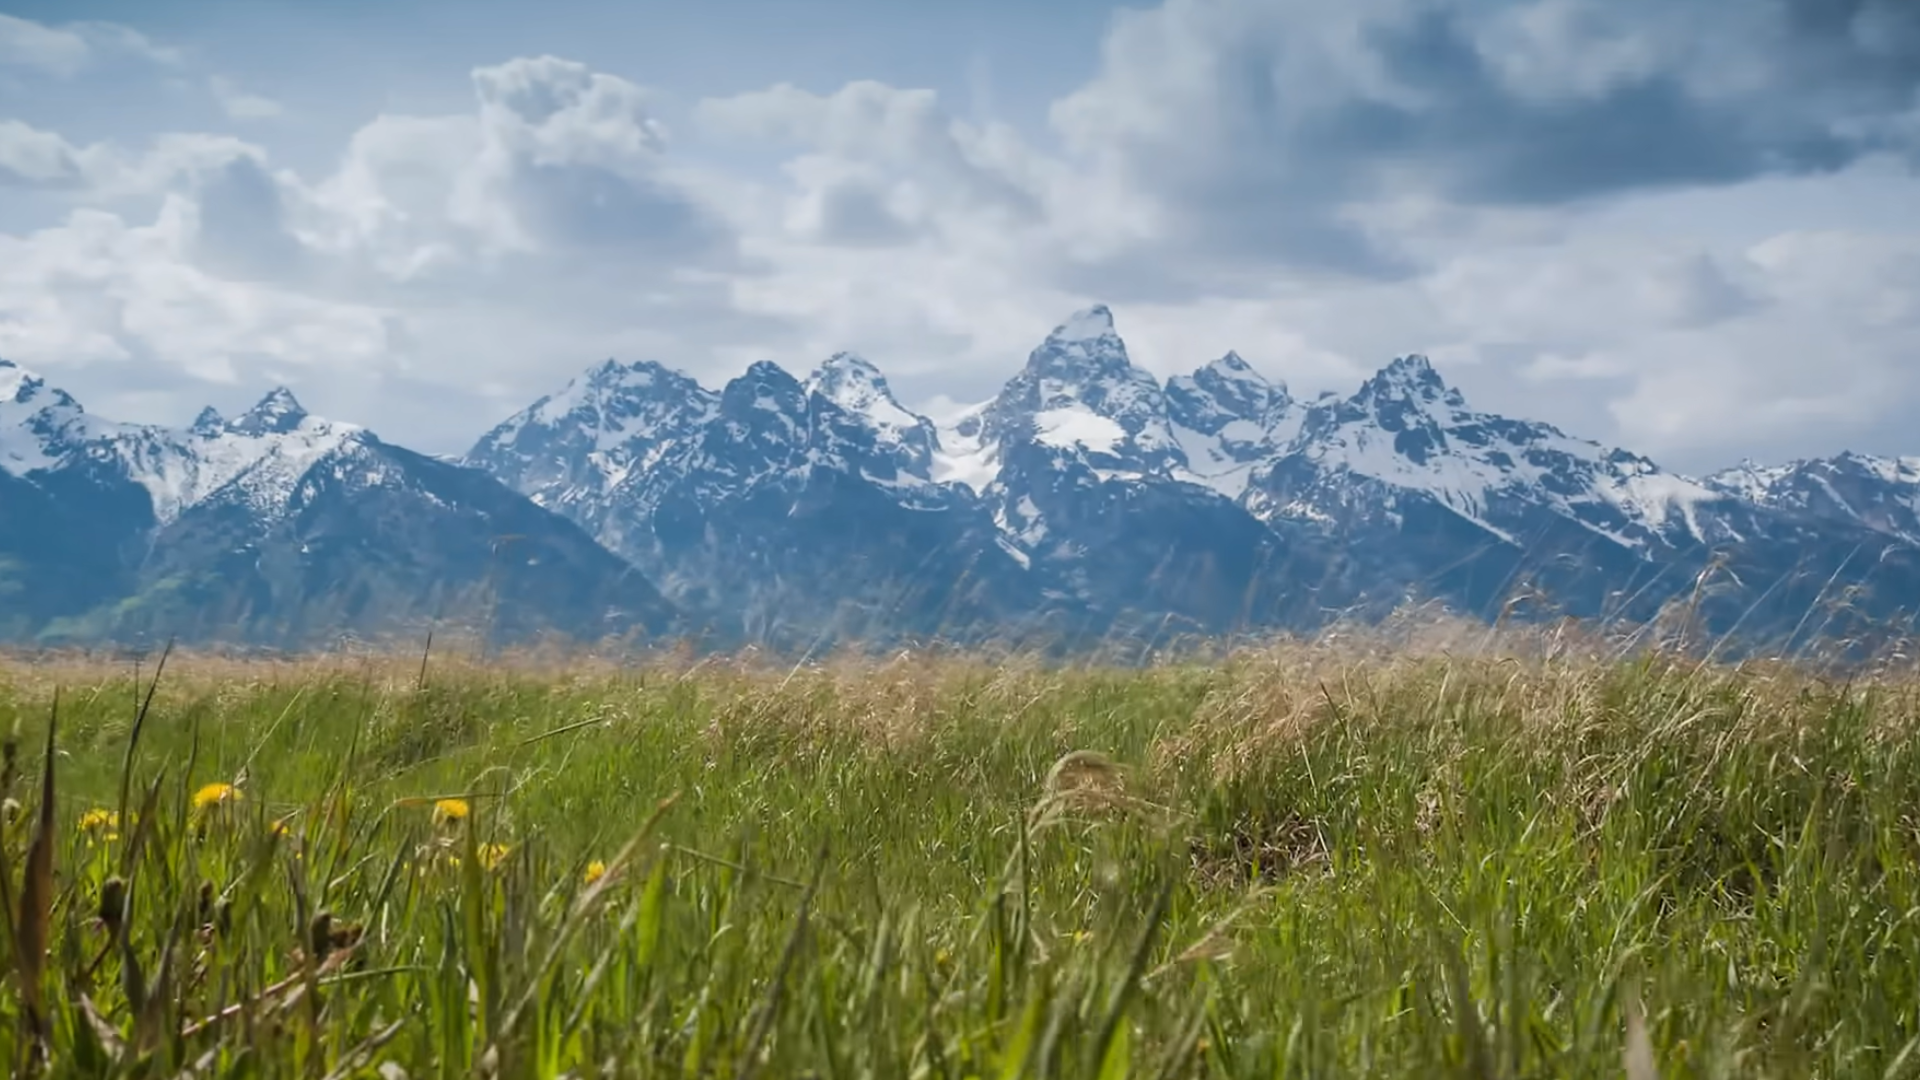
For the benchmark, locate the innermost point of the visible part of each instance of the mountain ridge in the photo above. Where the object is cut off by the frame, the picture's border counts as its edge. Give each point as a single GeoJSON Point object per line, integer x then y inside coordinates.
{"type": "Point", "coordinates": [256, 529]}
{"type": "Point", "coordinates": [1088, 500]}
{"type": "Point", "coordinates": [1124, 498]}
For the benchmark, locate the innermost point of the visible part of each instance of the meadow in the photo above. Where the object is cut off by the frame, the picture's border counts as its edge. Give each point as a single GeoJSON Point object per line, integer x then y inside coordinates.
{"type": "Point", "coordinates": [1301, 860]}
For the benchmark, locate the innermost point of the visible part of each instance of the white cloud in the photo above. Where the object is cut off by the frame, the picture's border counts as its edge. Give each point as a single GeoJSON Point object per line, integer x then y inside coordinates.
{"type": "Point", "coordinates": [67, 50]}
{"type": "Point", "coordinates": [437, 258]}
{"type": "Point", "coordinates": [33, 158]}
{"type": "Point", "coordinates": [887, 164]}
{"type": "Point", "coordinates": [95, 290]}
{"type": "Point", "coordinates": [1237, 175]}
{"type": "Point", "coordinates": [239, 104]}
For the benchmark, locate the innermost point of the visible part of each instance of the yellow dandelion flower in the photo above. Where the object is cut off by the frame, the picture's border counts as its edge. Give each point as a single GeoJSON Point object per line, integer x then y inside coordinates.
{"type": "Point", "coordinates": [492, 855]}
{"type": "Point", "coordinates": [448, 811]}
{"type": "Point", "coordinates": [215, 794]}
{"type": "Point", "coordinates": [280, 828]}
{"type": "Point", "coordinates": [942, 958]}
{"type": "Point", "coordinates": [97, 819]}
{"type": "Point", "coordinates": [100, 825]}
{"type": "Point", "coordinates": [594, 872]}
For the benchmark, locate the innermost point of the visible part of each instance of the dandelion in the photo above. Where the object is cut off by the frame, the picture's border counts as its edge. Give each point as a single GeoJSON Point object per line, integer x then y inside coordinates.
{"type": "Point", "coordinates": [280, 828]}
{"type": "Point", "coordinates": [100, 825]}
{"type": "Point", "coordinates": [594, 872]}
{"type": "Point", "coordinates": [492, 855]}
{"type": "Point", "coordinates": [215, 794]}
{"type": "Point", "coordinates": [448, 811]}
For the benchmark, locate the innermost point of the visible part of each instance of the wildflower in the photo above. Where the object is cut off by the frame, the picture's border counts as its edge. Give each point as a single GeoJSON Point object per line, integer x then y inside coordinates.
{"type": "Point", "coordinates": [215, 794]}
{"type": "Point", "coordinates": [448, 811]}
{"type": "Point", "coordinates": [492, 855]}
{"type": "Point", "coordinates": [280, 828]}
{"type": "Point", "coordinates": [942, 959]}
{"type": "Point", "coordinates": [594, 872]}
{"type": "Point", "coordinates": [100, 825]}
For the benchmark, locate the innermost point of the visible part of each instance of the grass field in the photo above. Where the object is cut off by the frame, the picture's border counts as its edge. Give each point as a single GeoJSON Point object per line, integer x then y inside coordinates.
{"type": "Point", "coordinates": [1302, 861]}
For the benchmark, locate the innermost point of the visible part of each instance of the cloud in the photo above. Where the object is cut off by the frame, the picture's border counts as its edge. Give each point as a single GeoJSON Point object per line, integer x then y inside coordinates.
{"type": "Point", "coordinates": [44, 160]}
{"type": "Point", "coordinates": [65, 51]}
{"type": "Point", "coordinates": [886, 164]}
{"type": "Point", "coordinates": [549, 221]}
{"type": "Point", "coordinates": [1802, 342]}
{"type": "Point", "coordinates": [95, 290]}
{"type": "Point", "coordinates": [1268, 129]}
{"type": "Point", "coordinates": [238, 104]}
{"type": "Point", "coordinates": [556, 160]}
{"type": "Point", "coordinates": [1515, 188]}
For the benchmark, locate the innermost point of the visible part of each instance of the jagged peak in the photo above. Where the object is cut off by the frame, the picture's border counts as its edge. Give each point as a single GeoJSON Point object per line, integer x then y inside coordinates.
{"type": "Point", "coordinates": [850, 379]}
{"type": "Point", "coordinates": [1235, 364]}
{"type": "Point", "coordinates": [1233, 368]}
{"type": "Point", "coordinates": [849, 361]}
{"type": "Point", "coordinates": [1411, 376]}
{"type": "Point", "coordinates": [1087, 324]}
{"type": "Point", "coordinates": [16, 382]}
{"type": "Point", "coordinates": [1085, 345]}
{"type": "Point", "coordinates": [279, 400]}
{"type": "Point", "coordinates": [208, 422]}
{"type": "Point", "coordinates": [277, 413]}
{"type": "Point", "coordinates": [636, 374]}
{"type": "Point", "coordinates": [22, 386]}
{"type": "Point", "coordinates": [766, 371]}
{"type": "Point", "coordinates": [764, 385]}
{"type": "Point", "coordinates": [612, 388]}
{"type": "Point", "coordinates": [847, 373]}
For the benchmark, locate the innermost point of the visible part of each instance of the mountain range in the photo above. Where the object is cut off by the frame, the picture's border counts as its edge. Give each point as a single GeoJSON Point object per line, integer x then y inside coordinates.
{"type": "Point", "coordinates": [1087, 502]}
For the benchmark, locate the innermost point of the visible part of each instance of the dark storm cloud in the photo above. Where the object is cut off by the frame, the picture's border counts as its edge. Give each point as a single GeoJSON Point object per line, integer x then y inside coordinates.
{"type": "Point", "coordinates": [1256, 120]}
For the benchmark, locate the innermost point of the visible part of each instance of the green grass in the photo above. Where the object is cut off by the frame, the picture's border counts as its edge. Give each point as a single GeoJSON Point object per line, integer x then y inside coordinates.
{"type": "Point", "coordinates": [1296, 864]}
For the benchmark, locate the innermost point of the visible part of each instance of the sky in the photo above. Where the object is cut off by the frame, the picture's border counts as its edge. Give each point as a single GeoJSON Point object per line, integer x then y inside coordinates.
{"type": "Point", "coordinates": [1688, 227]}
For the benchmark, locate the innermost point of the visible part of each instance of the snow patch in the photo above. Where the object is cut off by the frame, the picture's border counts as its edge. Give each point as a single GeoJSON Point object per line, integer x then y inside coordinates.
{"type": "Point", "coordinates": [1086, 325]}
{"type": "Point", "coordinates": [1076, 425]}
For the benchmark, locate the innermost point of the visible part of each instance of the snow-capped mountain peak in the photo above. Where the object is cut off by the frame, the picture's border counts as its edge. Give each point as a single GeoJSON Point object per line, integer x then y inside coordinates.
{"type": "Point", "coordinates": [1231, 368]}
{"type": "Point", "coordinates": [1228, 419]}
{"type": "Point", "coordinates": [278, 413]}
{"type": "Point", "coordinates": [1881, 493]}
{"type": "Point", "coordinates": [15, 381]}
{"type": "Point", "coordinates": [608, 426]}
{"type": "Point", "coordinates": [851, 382]}
{"type": "Point", "coordinates": [1080, 395]}
{"type": "Point", "coordinates": [617, 402]}
{"type": "Point", "coordinates": [847, 372]}
{"type": "Point", "coordinates": [1087, 324]}
{"type": "Point", "coordinates": [255, 459]}
{"type": "Point", "coordinates": [40, 425]}
{"type": "Point", "coordinates": [1407, 380]}
{"type": "Point", "coordinates": [1408, 430]}
{"type": "Point", "coordinates": [859, 388]}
